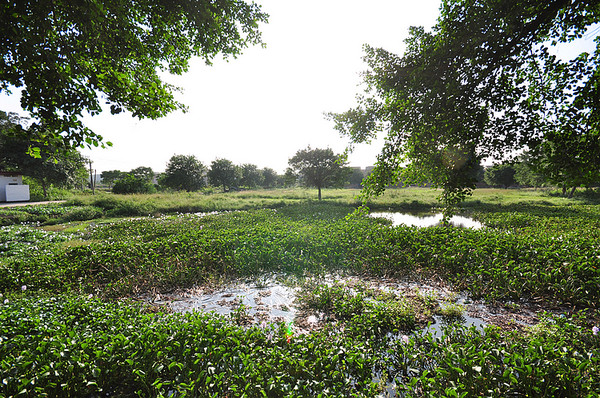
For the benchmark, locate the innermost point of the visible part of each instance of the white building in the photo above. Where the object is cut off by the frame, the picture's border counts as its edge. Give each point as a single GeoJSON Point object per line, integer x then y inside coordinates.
{"type": "Point", "coordinates": [12, 188]}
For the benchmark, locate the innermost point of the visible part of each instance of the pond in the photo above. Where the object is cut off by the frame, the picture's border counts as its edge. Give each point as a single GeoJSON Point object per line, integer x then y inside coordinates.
{"type": "Point", "coordinates": [263, 300]}
{"type": "Point", "coordinates": [275, 300]}
{"type": "Point", "coordinates": [426, 220]}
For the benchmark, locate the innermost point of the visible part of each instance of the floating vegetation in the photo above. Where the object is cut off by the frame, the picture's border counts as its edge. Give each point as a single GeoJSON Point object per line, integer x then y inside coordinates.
{"type": "Point", "coordinates": [354, 307]}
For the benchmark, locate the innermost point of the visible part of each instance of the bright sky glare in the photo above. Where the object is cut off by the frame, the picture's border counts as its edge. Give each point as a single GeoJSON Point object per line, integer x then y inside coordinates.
{"type": "Point", "coordinates": [264, 106]}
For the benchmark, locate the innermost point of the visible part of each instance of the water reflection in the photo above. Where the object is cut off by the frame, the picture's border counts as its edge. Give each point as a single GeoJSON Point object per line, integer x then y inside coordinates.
{"type": "Point", "coordinates": [430, 220]}
{"type": "Point", "coordinates": [271, 300]}
{"type": "Point", "coordinates": [262, 300]}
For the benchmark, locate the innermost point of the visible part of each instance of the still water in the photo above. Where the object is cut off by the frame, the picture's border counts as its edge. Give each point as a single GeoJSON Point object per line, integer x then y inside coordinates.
{"type": "Point", "coordinates": [426, 220]}
{"type": "Point", "coordinates": [270, 300]}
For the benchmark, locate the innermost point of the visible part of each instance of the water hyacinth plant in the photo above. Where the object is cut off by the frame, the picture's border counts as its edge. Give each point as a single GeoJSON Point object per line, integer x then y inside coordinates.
{"type": "Point", "coordinates": [69, 326]}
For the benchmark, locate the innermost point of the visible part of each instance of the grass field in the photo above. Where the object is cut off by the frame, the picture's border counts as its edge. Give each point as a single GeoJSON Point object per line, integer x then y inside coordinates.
{"type": "Point", "coordinates": [72, 324]}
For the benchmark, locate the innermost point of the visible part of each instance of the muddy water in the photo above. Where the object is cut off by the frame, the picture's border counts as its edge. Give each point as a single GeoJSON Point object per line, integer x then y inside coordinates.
{"type": "Point", "coordinates": [271, 300]}
{"type": "Point", "coordinates": [261, 301]}
{"type": "Point", "coordinates": [426, 220]}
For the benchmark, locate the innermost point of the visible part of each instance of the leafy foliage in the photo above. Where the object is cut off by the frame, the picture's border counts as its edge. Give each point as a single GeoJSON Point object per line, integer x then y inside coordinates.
{"type": "Point", "coordinates": [251, 177]}
{"type": "Point", "coordinates": [132, 184]}
{"type": "Point", "coordinates": [223, 172]}
{"type": "Point", "coordinates": [483, 82]}
{"type": "Point", "coordinates": [543, 256]}
{"type": "Point", "coordinates": [526, 173]}
{"type": "Point", "coordinates": [500, 175]}
{"type": "Point", "coordinates": [73, 57]}
{"type": "Point", "coordinates": [319, 168]}
{"type": "Point", "coordinates": [270, 178]}
{"type": "Point", "coordinates": [184, 173]}
{"type": "Point", "coordinates": [81, 345]}
{"type": "Point", "coordinates": [63, 169]}
{"type": "Point", "coordinates": [110, 176]}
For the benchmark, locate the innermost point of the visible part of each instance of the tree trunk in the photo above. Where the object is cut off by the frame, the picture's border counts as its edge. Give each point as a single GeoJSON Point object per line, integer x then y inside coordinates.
{"type": "Point", "coordinates": [319, 192]}
{"type": "Point", "coordinates": [564, 190]}
{"type": "Point", "coordinates": [43, 181]}
{"type": "Point", "coordinates": [572, 192]}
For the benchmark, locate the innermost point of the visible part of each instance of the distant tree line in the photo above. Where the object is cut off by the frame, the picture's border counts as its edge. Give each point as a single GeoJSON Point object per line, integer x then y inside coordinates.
{"type": "Point", "coordinates": [66, 168]}
{"type": "Point", "coordinates": [187, 173]}
{"type": "Point", "coordinates": [533, 169]}
{"type": "Point", "coordinates": [319, 168]}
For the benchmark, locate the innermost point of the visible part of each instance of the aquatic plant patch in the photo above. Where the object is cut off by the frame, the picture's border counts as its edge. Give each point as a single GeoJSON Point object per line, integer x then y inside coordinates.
{"type": "Point", "coordinates": [81, 346]}
{"type": "Point", "coordinates": [164, 253]}
{"type": "Point", "coordinates": [363, 309]}
{"type": "Point", "coordinates": [18, 239]}
{"type": "Point", "coordinates": [74, 344]}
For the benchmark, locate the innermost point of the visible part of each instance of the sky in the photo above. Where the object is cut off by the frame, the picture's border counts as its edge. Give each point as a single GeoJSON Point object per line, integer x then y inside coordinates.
{"type": "Point", "coordinates": [267, 104]}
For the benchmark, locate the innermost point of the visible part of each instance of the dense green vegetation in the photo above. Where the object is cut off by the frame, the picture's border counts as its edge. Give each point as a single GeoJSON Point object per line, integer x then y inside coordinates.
{"type": "Point", "coordinates": [67, 327]}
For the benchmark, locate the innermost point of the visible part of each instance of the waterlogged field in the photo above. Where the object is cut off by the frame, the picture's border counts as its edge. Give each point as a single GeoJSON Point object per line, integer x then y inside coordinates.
{"type": "Point", "coordinates": [90, 306]}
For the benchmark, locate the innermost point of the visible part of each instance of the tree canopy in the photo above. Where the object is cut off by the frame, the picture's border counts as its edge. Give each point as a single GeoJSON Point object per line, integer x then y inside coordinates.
{"type": "Point", "coordinates": [223, 173]}
{"type": "Point", "coordinates": [184, 173]}
{"type": "Point", "coordinates": [62, 169]}
{"type": "Point", "coordinates": [110, 176]}
{"type": "Point", "coordinates": [251, 176]}
{"type": "Point", "coordinates": [318, 168]}
{"type": "Point", "coordinates": [73, 57]}
{"type": "Point", "coordinates": [484, 82]}
{"type": "Point", "coordinates": [143, 173]}
{"type": "Point", "coordinates": [132, 184]}
{"type": "Point", "coordinates": [500, 175]}
{"type": "Point", "coordinates": [270, 177]}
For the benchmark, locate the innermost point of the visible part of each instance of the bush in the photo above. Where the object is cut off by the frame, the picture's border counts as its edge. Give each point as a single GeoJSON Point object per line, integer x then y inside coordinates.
{"type": "Point", "coordinates": [106, 202]}
{"type": "Point", "coordinates": [83, 213]}
{"type": "Point", "coordinates": [500, 175]}
{"type": "Point", "coordinates": [124, 209]}
{"type": "Point", "coordinates": [133, 184]}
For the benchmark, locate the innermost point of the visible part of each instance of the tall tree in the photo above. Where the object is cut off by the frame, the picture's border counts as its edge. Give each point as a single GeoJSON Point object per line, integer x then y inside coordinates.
{"type": "Point", "coordinates": [223, 173]}
{"type": "Point", "coordinates": [569, 160]}
{"type": "Point", "coordinates": [62, 169]}
{"type": "Point", "coordinates": [526, 173]}
{"type": "Point", "coordinates": [143, 173]}
{"type": "Point", "coordinates": [483, 82]}
{"type": "Point", "coordinates": [252, 177]}
{"type": "Point", "coordinates": [270, 178]}
{"type": "Point", "coordinates": [110, 176]}
{"type": "Point", "coordinates": [184, 173]}
{"type": "Point", "coordinates": [75, 56]}
{"type": "Point", "coordinates": [319, 168]}
{"type": "Point", "coordinates": [357, 176]}
{"type": "Point", "coordinates": [500, 175]}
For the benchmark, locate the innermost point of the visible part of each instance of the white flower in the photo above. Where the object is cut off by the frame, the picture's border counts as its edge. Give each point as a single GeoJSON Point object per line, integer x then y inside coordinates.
{"type": "Point", "coordinates": [24, 287]}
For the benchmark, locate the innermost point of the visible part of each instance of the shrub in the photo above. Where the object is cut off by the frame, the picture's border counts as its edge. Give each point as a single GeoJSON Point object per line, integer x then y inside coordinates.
{"type": "Point", "coordinates": [133, 184]}
{"type": "Point", "coordinates": [83, 213]}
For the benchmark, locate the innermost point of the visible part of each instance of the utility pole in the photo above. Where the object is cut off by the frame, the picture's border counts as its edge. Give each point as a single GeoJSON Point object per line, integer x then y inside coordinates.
{"type": "Point", "coordinates": [92, 182]}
